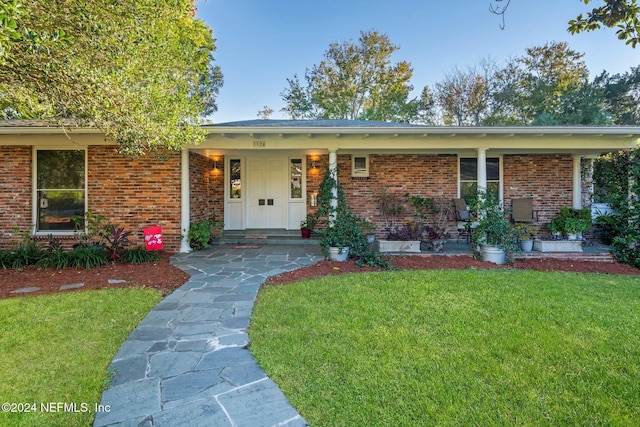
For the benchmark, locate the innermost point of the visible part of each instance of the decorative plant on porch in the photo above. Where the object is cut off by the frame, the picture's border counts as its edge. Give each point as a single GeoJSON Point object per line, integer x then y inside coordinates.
{"type": "Point", "coordinates": [493, 231]}
{"type": "Point", "coordinates": [571, 221]}
{"type": "Point", "coordinates": [202, 233]}
{"type": "Point", "coordinates": [435, 213]}
{"type": "Point", "coordinates": [342, 228]}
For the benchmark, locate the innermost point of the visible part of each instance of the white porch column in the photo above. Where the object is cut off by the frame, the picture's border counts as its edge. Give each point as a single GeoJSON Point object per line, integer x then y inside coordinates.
{"type": "Point", "coordinates": [482, 169]}
{"type": "Point", "coordinates": [333, 170]}
{"type": "Point", "coordinates": [185, 205]}
{"type": "Point", "coordinates": [577, 182]}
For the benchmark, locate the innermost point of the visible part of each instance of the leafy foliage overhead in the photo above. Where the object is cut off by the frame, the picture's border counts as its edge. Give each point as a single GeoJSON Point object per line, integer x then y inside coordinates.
{"type": "Point", "coordinates": [140, 70]}
{"type": "Point", "coordinates": [621, 14]}
{"type": "Point", "coordinates": [354, 82]}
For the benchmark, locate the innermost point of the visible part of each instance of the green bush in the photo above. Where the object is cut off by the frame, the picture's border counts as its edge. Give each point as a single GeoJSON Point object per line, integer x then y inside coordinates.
{"type": "Point", "coordinates": [138, 255]}
{"type": "Point", "coordinates": [626, 249]}
{"type": "Point", "coordinates": [88, 257]}
{"type": "Point", "coordinates": [201, 233]}
{"type": "Point", "coordinates": [56, 257]}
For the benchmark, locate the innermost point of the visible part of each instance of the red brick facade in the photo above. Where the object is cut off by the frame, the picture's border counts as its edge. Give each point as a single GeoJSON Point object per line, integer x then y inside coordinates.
{"type": "Point", "coordinates": [136, 193]}
{"type": "Point", "coordinates": [15, 191]}
{"type": "Point", "coordinates": [207, 187]}
{"type": "Point", "coordinates": [546, 178]}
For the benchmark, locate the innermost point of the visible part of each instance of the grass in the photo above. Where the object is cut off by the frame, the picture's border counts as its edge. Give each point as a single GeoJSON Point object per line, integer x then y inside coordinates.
{"type": "Point", "coordinates": [56, 348]}
{"type": "Point", "coordinates": [423, 348]}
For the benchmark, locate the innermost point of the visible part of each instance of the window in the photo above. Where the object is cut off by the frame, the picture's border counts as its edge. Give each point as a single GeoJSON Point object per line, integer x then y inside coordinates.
{"type": "Point", "coordinates": [469, 176]}
{"type": "Point", "coordinates": [295, 166]}
{"type": "Point", "coordinates": [60, 188]}
{"type": "Point", "coordinates": [359, 165]}
{"type": "Point", "coordinates": [235, 178]}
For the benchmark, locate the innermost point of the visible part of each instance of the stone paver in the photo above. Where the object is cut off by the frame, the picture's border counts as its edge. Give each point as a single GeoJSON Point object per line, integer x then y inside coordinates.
{"type": "Point", "coordinates": [186, 364]}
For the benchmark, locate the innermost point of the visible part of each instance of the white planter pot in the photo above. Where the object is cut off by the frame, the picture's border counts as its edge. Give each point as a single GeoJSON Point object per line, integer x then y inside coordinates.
{"type": "Point", "coordinates": [399, 245]}
{"type": "Point", "coordinates": [339, 254]}
{"type": "Point", "coordinates": [493, 254]}
{"type": "Point", "coordinates": [572, 236]}
{"type": "Point", "coordinates": [371, 238]}
{"type": "Point", "coordinates": [526, 245]}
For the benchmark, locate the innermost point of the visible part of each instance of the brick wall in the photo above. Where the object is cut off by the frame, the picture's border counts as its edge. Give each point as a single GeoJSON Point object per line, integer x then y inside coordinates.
{"type": "Point", "coordinates": [15, 193]}
{"type": "Point", "coordinates": [207, 188]}
{"type": "Point", "coordinates": [547, 178]}
{"type": "Point", "coordinates": [136, 193]}
{"type": "Point", "coordinates": [424, 175]}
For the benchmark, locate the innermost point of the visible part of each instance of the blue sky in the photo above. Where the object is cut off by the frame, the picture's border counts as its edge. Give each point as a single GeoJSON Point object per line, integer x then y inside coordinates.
{"type": "Point", "coordinates": [262, 43]}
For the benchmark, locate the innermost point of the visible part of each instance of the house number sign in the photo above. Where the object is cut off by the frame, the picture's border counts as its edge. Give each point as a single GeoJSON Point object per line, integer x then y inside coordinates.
{"type": "Point", "coordinates": [259, 144]}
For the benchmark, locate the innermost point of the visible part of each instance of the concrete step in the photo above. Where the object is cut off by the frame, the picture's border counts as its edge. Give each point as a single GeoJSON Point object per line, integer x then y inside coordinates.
{"type": "Point", "coordinates": [267, 237]}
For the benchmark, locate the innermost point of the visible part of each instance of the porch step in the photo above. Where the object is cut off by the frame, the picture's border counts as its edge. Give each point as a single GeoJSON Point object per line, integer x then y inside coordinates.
{"type": "Point", "coordinates": [267, 237]}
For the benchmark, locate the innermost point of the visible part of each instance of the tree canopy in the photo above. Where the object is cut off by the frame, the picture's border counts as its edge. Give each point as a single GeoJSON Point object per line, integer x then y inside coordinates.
{"type": "Point", "coordinates": [354, 81]}
{"type": "Point", "coordinates": [548, 85]}
{"type": "Point", "coordinates": [140, 70]}
{"type": "Point", "coordinates": [622, 14]}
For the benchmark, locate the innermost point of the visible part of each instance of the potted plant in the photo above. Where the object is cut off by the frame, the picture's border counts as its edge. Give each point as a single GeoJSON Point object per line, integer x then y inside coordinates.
{"type": "Point", "coordinates": [493, 236]}
{"type": "Point", "coordinates": [526, 234]}
{"type": "Point", "coordinates": [368, 229]}
{"type": "Point", "coordinates": [400, 237]}
{"type": "Point", "coordinates": [307, 225]}
{"type": "Point", "coordinates": [435, 213]}
{"type": "Point", "coordinates": [572, 222]}
{"type": "Point", "coordinates": [557, 228]}
{"type": "Point", "coordinates": [340, 236]}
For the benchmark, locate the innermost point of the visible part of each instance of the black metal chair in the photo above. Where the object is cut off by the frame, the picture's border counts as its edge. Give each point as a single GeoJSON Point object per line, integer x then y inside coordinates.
{"type": "Point", "coordinates": [465, 218]}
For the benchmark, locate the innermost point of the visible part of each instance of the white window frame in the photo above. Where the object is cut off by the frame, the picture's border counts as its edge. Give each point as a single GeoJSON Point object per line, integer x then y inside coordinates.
{"type": "Point", "coordinates": [360, 171]}
{"type": "Point", "coordinates": [500, 180]}
{"type": "Point", "coordinates": [34, 191]}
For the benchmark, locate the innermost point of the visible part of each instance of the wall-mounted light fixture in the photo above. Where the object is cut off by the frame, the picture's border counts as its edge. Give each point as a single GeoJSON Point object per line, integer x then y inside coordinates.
{"type": "Point", "coordinates": [215, 165]}
{"type": "Point", "coordinates": [313, 164]}
{"type": "Point", "coordinates": [313, 199]}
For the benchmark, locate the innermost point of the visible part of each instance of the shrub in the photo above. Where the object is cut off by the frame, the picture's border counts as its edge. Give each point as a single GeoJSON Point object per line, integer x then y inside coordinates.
{"type": "Point", "coordinates": [201, 233]}
{"type": "Point", "coordinates": [87, 257]}
{"type": "Point", "coordinates": [138, 255]}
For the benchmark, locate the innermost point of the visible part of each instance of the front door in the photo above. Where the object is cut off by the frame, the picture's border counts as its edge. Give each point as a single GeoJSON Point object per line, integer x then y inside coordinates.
{"type": "Point", "coordinates": [266, 192]}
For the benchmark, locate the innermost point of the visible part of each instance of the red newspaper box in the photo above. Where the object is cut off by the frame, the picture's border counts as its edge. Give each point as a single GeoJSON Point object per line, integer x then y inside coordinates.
{"type": "Point", "coordinates": [153, 238]}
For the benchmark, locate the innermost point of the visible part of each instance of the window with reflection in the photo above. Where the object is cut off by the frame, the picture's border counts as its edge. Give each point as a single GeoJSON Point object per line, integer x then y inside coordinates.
{"type": "Point", "coordinates": [295, 168]}
{"type": "Point", "coordinates": [469, 176]}
{"type": "Point", "coordinates": [60, 189]}
{"type": "Point", "coordinates": [235, 178]}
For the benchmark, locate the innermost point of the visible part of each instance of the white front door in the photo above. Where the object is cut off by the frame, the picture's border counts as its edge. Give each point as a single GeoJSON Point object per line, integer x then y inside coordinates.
{"type": "Point", "coordinates": [266, 192]}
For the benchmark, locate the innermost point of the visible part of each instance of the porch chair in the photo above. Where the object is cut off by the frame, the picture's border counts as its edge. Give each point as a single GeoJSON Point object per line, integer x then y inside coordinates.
{"type": "Point", "coordinates": [522, 211]}
{"type": "Point", "coordinates": [466, 221]}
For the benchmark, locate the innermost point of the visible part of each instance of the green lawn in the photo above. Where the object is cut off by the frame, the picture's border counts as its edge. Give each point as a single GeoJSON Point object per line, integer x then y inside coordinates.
{"type": "Point", "coordinates": [485, 348]}
{"type": "Point", "coordinates": [56, 349]}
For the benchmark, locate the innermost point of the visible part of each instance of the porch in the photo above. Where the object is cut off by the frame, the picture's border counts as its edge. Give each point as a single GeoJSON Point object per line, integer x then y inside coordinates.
{"type": "Point", "coordinates": [592, 251]}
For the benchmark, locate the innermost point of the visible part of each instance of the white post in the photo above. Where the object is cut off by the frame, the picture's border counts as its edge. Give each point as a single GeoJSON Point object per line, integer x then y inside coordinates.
{"type": "Point", "coordinates": [482, 169]}
{"type": "Point", "coordinates": [577, 182]}
{"type": "Point", "coordinates": [333, 170]}
{"type": "Point", "coordinates": [185, 206]}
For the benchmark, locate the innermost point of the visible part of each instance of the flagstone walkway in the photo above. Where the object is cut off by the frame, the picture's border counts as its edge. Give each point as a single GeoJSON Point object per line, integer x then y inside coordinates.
{"type": "Point", "coordinates": [186, 364]}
